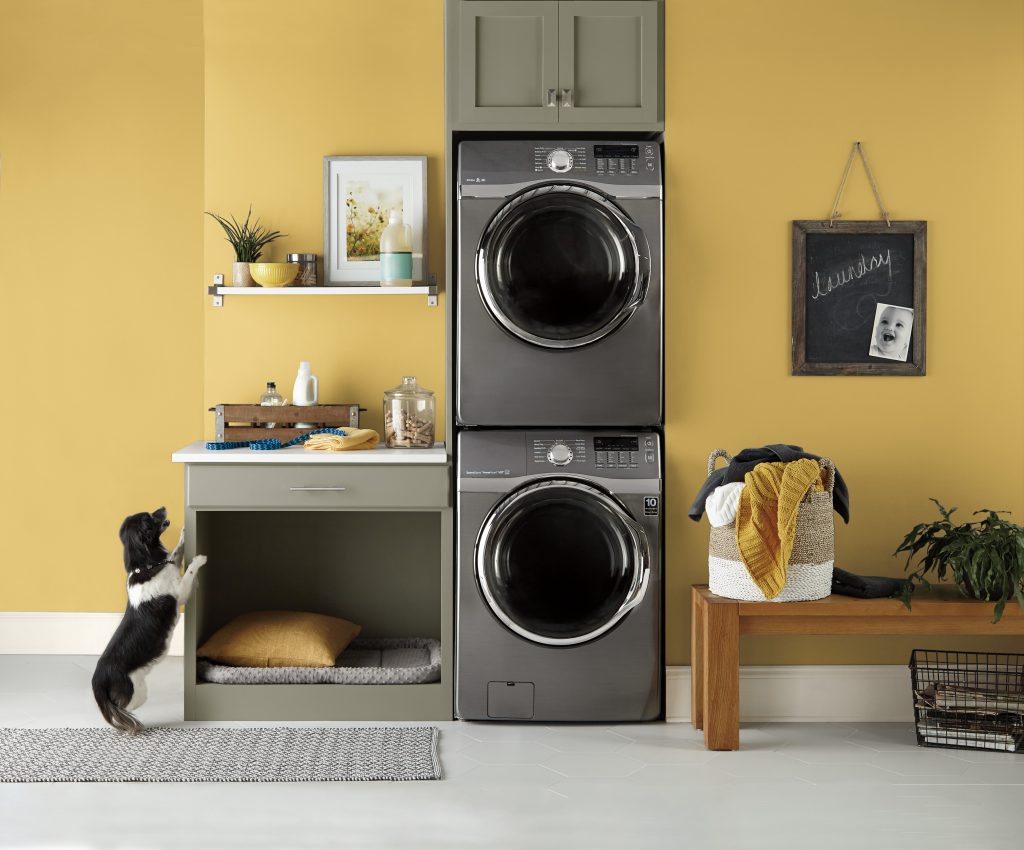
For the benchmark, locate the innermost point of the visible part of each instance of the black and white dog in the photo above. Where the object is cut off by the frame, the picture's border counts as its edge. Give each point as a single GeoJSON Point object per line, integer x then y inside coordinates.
{"type": "Point", "coordinates": [156, 587]}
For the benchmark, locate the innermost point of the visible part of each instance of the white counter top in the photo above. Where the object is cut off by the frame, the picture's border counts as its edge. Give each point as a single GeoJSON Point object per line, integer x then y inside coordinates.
{"type": "Point", "coordinates": [198, 453]}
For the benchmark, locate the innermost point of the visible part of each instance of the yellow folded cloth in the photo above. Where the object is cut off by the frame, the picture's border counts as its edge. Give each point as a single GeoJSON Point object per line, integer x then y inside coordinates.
{"type": "Point", "coordinates": [766, 518]}
{"type": "Point", "coordinates": [355, 438]}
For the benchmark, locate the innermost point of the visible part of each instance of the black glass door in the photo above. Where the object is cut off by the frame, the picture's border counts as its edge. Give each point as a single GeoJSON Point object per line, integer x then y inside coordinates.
{"type": "Point", "coordinates": [559, 562]}
{"type": "Point", "coordinates": [561, 266]}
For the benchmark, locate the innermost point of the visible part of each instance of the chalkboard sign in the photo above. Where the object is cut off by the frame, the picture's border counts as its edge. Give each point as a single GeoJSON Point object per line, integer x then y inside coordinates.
{"type": "Point", "coordinates": [859, 297]}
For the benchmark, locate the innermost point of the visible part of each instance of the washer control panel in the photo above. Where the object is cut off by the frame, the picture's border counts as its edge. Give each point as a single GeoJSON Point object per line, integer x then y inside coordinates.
{"type": "Point", "coordinates": [620, 455]}
{"type": "Point", "coordinates": [560, 451]}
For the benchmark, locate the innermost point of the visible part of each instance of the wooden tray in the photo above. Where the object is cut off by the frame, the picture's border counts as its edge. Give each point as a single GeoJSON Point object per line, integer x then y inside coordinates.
{"type": "Point", "coordinates": [241, 422]}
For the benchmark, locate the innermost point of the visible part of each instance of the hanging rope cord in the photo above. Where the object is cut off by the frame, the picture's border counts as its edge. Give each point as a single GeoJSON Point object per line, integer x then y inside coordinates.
{"type": "Point", "coordinates": [857, 149]}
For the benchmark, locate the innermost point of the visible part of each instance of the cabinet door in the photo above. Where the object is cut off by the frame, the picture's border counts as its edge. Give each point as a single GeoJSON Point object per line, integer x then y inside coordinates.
{"type": "Point", "coordinates": [508, 61]}
{"type": "Point", "coordinates": [608, 61]}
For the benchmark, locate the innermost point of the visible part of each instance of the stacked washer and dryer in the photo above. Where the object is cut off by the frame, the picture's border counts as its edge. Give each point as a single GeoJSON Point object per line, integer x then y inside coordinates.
{"type": "Point", "coordinates": [558, 406]}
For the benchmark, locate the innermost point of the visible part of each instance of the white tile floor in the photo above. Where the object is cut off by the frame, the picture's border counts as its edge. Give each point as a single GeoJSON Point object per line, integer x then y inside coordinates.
{"type": "Point", "coordinates": [524, 786]}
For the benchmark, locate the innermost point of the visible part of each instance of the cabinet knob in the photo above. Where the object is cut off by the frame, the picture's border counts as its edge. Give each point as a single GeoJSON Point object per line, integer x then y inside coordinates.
{"type": "Point", "coordinates": [567, 98]}
{"type": "Point", "coordinates": [552, 98]}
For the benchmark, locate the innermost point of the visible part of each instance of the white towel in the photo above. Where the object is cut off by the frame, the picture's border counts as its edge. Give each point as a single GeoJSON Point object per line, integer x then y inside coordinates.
{"type": "Point", "coordinates": [723, 503]}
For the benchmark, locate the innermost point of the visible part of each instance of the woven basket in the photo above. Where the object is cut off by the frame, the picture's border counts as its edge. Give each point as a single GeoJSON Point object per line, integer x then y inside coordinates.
{"type": "Point", "coordinates": [809, 572]}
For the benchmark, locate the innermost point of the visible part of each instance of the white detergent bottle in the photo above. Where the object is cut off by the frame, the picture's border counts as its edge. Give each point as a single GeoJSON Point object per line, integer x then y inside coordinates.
{"type": "Point", "coordinates": [396, 252]}
{"type": "Point", "coordinates": [306, 390]}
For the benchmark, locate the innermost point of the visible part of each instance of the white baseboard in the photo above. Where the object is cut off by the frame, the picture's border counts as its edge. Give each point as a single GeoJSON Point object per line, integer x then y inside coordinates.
{"type": "Point", "coordinates": [839, 693]}
{"type": "Point", "coordinates": [808, 693]}
{"type": "Point", "coordinates": [65, 633]}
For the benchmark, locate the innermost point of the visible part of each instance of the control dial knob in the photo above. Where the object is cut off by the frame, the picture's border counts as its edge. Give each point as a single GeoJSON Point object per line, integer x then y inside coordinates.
{"type": "Point", "coordinates": [560, 160]}
{"type": "Point", "coordinates": [559, 454]}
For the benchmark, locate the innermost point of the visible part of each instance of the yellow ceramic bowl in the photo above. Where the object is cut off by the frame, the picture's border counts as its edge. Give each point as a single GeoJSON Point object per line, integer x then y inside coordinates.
{"type": "Point", "coordinates": [273, 274]}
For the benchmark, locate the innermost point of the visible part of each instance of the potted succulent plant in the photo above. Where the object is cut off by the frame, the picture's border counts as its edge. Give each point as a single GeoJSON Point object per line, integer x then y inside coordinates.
{"type": "Point", "coordinates": [248, 238]}
{"type": "Point", "coordinates": [986, 556]}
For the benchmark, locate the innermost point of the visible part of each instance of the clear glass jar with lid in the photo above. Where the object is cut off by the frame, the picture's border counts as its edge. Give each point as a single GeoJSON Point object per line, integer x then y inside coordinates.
{"type": "Point", "coordinates": [409, 416]}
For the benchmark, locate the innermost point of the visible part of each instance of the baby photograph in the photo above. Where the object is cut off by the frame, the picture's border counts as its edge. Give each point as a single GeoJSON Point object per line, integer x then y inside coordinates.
{"type": "Point", "coordinates": [890, 335]}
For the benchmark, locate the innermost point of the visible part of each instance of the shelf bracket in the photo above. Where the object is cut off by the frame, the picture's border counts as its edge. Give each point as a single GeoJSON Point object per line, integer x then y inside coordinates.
{"type": "Point", "coordinates": [432, 294]}
{"type": "Point", "coordinates": [218, 299]}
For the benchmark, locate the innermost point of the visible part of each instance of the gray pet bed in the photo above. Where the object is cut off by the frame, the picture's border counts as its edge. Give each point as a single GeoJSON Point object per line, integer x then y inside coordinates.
{"type": "Point", "coordinates": [367, 661]}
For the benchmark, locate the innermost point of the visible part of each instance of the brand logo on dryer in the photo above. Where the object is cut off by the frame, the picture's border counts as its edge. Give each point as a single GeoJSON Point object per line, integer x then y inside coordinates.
{"type": "Point", "coordinates": [489, 473]}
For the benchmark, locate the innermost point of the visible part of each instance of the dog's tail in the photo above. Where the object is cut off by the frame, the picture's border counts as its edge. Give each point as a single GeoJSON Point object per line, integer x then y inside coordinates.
{"type": "Point", "coordinates": [112, 693]}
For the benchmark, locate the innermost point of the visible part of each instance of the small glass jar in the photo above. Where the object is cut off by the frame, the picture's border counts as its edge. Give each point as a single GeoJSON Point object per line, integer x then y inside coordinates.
{"type": "Point", "coordinates": [409, 416]}
{"type": "Point", "coordinates": [307, 269]}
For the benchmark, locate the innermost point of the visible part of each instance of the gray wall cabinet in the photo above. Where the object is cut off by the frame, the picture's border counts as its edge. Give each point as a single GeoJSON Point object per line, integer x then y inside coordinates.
{"type": "Point", "coordinates": [284, 536]}
{"type": "Point", "coordinates": [534, 64]}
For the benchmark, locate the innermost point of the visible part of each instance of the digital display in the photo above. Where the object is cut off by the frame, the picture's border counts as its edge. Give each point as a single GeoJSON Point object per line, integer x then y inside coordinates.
{"type": "Point", "coordinates": [616, 444]}
{"type": "Point", "coordinates": [617, 151]}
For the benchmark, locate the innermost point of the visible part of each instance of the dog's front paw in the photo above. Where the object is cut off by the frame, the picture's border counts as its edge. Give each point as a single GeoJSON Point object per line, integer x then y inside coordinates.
{"type": "Point", "coordinates": [197, 562]}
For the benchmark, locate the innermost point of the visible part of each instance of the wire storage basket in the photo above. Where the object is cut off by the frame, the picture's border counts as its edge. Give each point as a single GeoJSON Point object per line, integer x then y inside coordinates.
{"type": "Point", "coordinates": [968, 700]}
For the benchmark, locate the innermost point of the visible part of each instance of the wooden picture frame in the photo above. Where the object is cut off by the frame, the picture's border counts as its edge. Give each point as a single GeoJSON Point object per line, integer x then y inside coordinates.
{"type": "Point", "coordinates": [358, 194]}
{"type": "Point", "coordinates": [852, 281]}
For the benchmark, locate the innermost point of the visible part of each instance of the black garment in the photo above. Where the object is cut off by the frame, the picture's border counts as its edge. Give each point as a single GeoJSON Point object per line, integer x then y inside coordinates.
{"type": "Point", "coordinates": [747, 459]}
{"type": "Point", "coordinates": [865, 587]}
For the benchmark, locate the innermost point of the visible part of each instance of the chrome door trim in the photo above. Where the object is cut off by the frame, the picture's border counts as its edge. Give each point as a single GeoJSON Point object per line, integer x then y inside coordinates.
{"type": "Point", "coordinates": [498, 485]}
{"type": "Point", "coordinates": [641, 554]}
{"type": "Point", "coordinates": [641, 260]}
{"type": "Point", "coordinates": [612, 190]}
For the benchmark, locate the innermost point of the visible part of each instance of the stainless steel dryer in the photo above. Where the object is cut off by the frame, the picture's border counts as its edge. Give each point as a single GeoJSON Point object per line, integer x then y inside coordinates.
{"type": "Point", "coordinates": [559, 284]}
{"type": "Point", "coordinates": [559, 576]}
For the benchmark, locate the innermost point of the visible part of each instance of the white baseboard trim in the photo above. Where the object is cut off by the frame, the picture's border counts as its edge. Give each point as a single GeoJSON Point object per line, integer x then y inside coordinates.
{"type": "Point", "coordinates": [798, 693]}
{"type": "Point", "coordinates": [841, 693]}
{"type": "Point", "coordinates": [65, 633]}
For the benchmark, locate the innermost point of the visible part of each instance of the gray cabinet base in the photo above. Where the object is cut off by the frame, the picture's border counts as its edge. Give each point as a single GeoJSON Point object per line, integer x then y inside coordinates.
{"type": "Point", "coordinates": [208, 701]}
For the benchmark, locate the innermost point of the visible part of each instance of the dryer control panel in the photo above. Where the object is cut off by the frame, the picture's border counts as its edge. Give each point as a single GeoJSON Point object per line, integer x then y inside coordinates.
{"type": "Point", "coordinates": [514, 163]}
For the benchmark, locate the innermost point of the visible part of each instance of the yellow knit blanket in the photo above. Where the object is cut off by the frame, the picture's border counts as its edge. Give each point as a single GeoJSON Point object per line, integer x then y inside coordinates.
{"type": "Point", "coordinates": [766, 518]}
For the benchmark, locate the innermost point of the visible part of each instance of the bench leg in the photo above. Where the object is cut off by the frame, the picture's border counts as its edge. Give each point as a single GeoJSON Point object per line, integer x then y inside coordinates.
{"type": "Point", "coordinates": [697, 660]}
{"type": "Point", "coordinates": [721, 641]}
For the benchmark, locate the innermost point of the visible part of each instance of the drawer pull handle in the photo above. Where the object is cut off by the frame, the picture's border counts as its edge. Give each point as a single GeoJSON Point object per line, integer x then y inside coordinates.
{"type": "Point", "coordinates": [333, 489]}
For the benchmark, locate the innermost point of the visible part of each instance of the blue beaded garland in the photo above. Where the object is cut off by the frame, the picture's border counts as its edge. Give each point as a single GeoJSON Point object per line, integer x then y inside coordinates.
{"type": "Point", "coordinates": [271, 443]}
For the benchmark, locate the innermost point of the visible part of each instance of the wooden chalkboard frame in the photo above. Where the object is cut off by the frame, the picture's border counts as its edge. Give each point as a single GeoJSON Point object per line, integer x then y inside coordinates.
{"type": "Point", "coordinates": [915, 364]}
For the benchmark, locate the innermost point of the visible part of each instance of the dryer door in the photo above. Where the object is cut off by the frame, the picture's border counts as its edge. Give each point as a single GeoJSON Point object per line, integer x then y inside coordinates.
{"type": "Point", "coordinates": [560, 562]}
{"type": "Point", "coordinates": [561, 266]}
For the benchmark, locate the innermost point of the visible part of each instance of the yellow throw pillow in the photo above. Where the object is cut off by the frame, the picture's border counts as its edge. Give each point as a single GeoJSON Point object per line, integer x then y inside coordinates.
{"type": "Point", "coordinates": [280, 639]}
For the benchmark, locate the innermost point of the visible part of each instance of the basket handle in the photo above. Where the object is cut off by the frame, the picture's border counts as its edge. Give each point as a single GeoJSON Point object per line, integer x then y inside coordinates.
{"type": "Point", "coordinates": [715, 455]}
{"type": "Point", "coordinates": [829, 469]}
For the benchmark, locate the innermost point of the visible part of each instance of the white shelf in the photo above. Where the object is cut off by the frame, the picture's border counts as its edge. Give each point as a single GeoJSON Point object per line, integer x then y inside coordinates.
{"type": "Point", "coordinates": [218, 292]}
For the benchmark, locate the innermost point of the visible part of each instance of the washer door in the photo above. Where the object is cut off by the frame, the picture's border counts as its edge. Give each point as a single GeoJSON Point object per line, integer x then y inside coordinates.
{"type": "Point", "coordinates": [560, 562]}
{"type": "Point", "coordinates": [561, 266]}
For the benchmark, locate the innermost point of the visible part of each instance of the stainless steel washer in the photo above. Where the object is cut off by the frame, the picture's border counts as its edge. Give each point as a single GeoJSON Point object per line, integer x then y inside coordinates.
{"type": "Point", "coordinates": [559, 576]}
{"type": "Point", "coordinates": [559, 284]}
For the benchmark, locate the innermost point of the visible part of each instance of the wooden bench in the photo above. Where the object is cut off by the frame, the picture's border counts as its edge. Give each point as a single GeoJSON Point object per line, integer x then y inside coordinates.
{"type": "Point", "coordinates": [718, 623]}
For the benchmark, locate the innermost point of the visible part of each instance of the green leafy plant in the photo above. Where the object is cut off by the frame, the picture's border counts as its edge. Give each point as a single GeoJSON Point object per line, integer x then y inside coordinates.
{"type": "Point", "coordinates": [248, 238]}
{"type": "Point", "coordinates": [986, 556]}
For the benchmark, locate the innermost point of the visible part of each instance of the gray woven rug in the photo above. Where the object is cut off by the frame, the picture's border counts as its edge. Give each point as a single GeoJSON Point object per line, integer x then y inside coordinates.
{"type": "Point", "coordinates": [208, 754]}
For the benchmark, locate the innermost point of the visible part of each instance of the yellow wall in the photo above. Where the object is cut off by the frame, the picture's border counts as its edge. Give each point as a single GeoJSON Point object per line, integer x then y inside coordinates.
{"type": "Point", "coordinates": [100, 263]}
{"type": "Point", "coordinates": [285, 86]}
{"type": "Point", "coordinates": [763, 101]}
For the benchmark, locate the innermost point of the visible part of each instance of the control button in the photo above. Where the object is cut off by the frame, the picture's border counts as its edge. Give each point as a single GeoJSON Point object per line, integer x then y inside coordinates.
{"type": "Point", "coordinates": [649, 165]}
{"type": "Point", "coordinates": [633, 166]}
{"type": "Point", "coordinates": [634, 458]}
{"type": "Point", "coordinates": [623, 458]}
{"type": "Point", "coordinates": [648, 150]}
{"type": "Point", "coordinates": [559, 454]}
{"type": "Point", "coordinates": [649, 442]}
{"type": "Point", "coordinates": [601, 163]}
{"type": "Point", "coordinates": [649, 457]}
{"type": "Point", "coordinates": [601, 458]}
{"type": "Point", "coordinates": [560, 160]}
